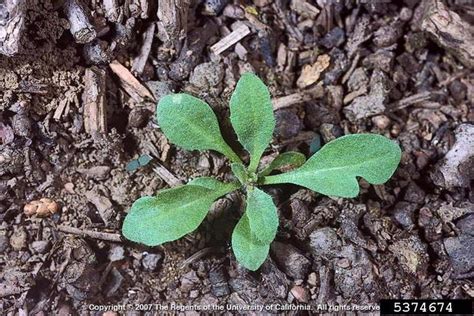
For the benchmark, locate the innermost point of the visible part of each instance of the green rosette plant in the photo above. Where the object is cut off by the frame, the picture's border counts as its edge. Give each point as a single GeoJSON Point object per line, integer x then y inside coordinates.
{"type": "Point", "coordinates": [191, 124]}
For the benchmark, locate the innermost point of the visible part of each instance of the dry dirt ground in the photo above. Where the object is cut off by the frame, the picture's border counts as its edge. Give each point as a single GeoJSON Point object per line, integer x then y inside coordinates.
{"type": "Point", "coordinates": [75, 111]}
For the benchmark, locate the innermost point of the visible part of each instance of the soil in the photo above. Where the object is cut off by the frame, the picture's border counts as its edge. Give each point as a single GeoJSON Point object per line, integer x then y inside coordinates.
{"type": "Point", "coordinates": [333, 69]}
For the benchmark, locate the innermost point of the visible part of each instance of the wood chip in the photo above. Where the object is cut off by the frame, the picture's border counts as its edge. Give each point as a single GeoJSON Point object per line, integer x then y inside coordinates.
{"type": "Point", "coordinates": [299, 97]}
{"type": "Point", "coordinates": [166, 175]}
{"type": "Point", "coordinates": [450, 31]}
{"type": "Point", "coordinates": [81, 28]}
{"type": "Point", "coordinates": [113, 11]}
{"type": "Point", "coordinates": [173, 17]}
{"type": "Point", "coordinates": [130, 84]}
{"type": "Point", "coordinates": [304, 9]}
{"type": "Point", "coordinates": [311, 73]}
{"type": "Point", "coordinates": [140, 61]}
{"type": "Point", "coordinates": [12, 17]}
{"type": "Point", "coordinates": [94, 100]}
{"type": "Point", "coordinates": [234, 37]}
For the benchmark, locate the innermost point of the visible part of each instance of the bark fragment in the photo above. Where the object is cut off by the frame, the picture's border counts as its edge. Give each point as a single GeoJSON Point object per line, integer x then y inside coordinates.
{"type": "Point", "coordinates": [81, 28]}
{"type": "Point", "coordinates": [95, 117]}
{"type": "Point", "coordinates": [12, 16]}
{"type": "Point", "coordinates": [449, 31]}
{"type": "Point", "coordinates": [173, 16]}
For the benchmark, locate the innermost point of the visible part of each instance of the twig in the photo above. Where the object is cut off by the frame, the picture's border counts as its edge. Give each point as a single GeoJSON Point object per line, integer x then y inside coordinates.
{"type": "Point", "coordinates": [140, 61]}
{"type": "Point", "coordinates": [166, 175]}
{"type": "Point", "coordinates": [235, 36]}
{"type": "Point", "coordinates": [81, 28]}
{"type": "Point", "coordinates": [172, 24]}
{"type": "Point", "coordinates": [304, 9]}
{"type": "Point", "coordinates": [93, 98]}
{"type": "Point", "coordinates": [90, 233]}
{"type": "Point", "coordinates": [200, 254]}
{"type": "Point", "coordinates": [298, 97]}
{"type": "Point", "coordinates": [351, 70]}
{"type": "Point", "coordinates": [405, 102]}
{"type": "Point", "coordinates": [134, 88]}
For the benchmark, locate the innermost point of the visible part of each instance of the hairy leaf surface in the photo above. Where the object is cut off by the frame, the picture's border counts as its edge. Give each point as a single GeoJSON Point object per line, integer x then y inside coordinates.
{"type": "Point", "coordinates": [291, 158]}
{"type": "Point", "coordinates": [171, 214]}
{"type": "Point", "coordinates": [334, 168]}
{"type": "Point", "coordinates": [249, 251]}
{"type": "Point", "coordinates": [262, 215]}
{"type": "Point", "coordinates": [191, 124]}
{"type": "Point", "coordinates": [211, 183]}
{"type": "Point", "coordinates": [252, 116]}
{"type": "Point", "coordinates": [239, 172]}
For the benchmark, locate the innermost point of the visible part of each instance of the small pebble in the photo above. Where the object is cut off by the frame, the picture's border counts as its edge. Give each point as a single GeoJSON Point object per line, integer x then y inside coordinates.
{"type": "Point", "coordinates": [138, 117]}
{"type": "Point", "coordinates": [313, 279]}
{"type": "Point", "coordinates": [234, 12]}
{"type": "Point", "coordinates": [4, 242]}
{"type": "Point", "coordinates": [381, 121]}
{"type": "Point", "coordinates": [150, 261]}
{"type": "Point", "coordinates": [116, 253]}
{"type": "Point", "coordinates": [40, 246]}
{"type": "Point", "coordinates": [41, 208]}
{"type": "Point", "coordinates": [457, 90]}
{"type": "Point", "coordinates": [288, 124]}
{"type": "Point", "coordinates": [300, 294]}
{"type": "Point", "coordinates": [406, 14]}
{"type": "Point", "coordinates": [194, 294]}
{"type": "Point", "coordinates": [18, 239]}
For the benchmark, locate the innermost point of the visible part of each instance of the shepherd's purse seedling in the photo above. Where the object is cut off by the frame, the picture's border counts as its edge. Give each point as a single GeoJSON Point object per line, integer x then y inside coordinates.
{"type": "Point", "coordinates": [191, 124]}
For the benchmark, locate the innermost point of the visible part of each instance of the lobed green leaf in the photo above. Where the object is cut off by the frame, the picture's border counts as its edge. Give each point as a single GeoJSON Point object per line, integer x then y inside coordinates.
{"type": "Point", "coordinates": [288, 159]}
{"type": "Point", "coordinates": [334, 169]}
{"type": "Point", "coordinates": [252, 116]}
{"type": "Point", "coordinates": [191, 124]}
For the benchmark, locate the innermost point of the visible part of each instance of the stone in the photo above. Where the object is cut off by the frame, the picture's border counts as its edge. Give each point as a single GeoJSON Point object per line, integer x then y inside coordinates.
{"type": "Point", "coordinates": [188, 281]}
{"type": "Point", "coordinates": [324, 242]}
{"type": "Point", "coordinates": [403, 214]}
{"type": "Point", "coordinates": [372, 104]}
{"type": "Point", "coordinates": [290, 260]}
{"type": "Point", "coordinates": [299, 293]}
{"type": "Point", "coordinates": [218, 279]}
{"type": "Point", "coordinates": [159, 88]}
{"type": "Point", "coordinates": [388, 34]}
{"type": "Point", "coordinates": [458, 90]}
{"type": "Point", "coordinates": [381, 59]}
{"type": "Point", "coordinates": [116, 253]}
{"type": "Point", "coordinates": [96, 172]}
{"type": "Point", "coordinates": [460, 249]}
{"type": "Point", "coordinates": [18, 239]}
{"type": "Point", "coordinates": [457, 167]}
{"type": "Point", "coordinates": [208, 77]}
{"type": "Point", "coordinates": [40, 246]}
{"type": "Point", "coordinates": [411, 253]}
{"type": "Point", "coordinates": [139, 117]}
{"type": "Point", "coordinates": [150, 261]}
{"type": "Point", "coordinates": [414, 193]}
{"type": "Point", "coordinates": [4, 243]}
{"type": "Point", "coordinates": [334, 38]}
{"type": "Point", "coordinates": [288, 124]}
{"type": "Point", "coordinates": [381, 121]}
